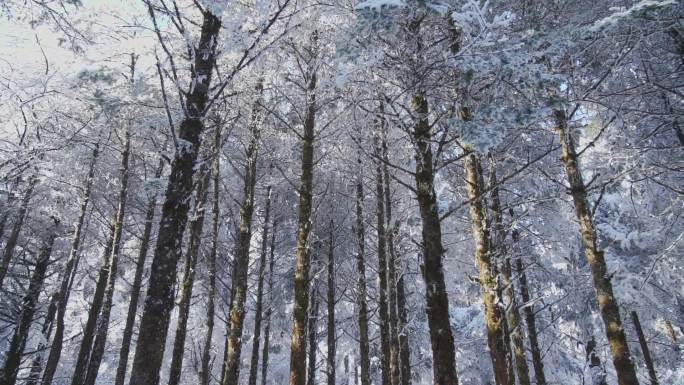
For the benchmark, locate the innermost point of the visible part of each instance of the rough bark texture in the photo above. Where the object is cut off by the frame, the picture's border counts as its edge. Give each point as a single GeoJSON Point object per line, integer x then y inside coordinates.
{"type": "Point", "coordinates": [160, 296]}
{"type": "Point", "coordinates": [11, 242]}
{"type": "Point", "coordinates": [269, 309]}
{"type": "Point", "coordinates": [127, 335]}
{"type": "Point", "coordinates": [103, 320]}
{"type": "Point", "coordinates": [330, 358]}
{"type": "Point", "coordinates": [8, 375]}
{"type": "Point", "coordinates": [301, 279]}
{"type": "Point", "coordinates": [610, 311]}
{"type": "Point", "coordinates": [69, 270]}
{"type": "Point", "coordinates": [241, 260]}
{"type": "Point", "coordinates": [256, 340]}
{"type": "Point", "coordinates": [362, 306]}
{"type": "Point", "coordinates": [191, 255]}
{"type": "Point", "coordinates": [437, 301]}
{"type": "Point", "coordinates": [644, 349]}
{"type": "Point", "coordinates": [494, 318]}
{"type": "Point", "coordinates": [211, 265]}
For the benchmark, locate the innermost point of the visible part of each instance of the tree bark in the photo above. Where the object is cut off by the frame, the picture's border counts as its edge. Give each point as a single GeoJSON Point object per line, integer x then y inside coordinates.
{"type": "Point", "coordinates": [361, 304]}
{"type": "Point", "coordinates": [241, 261]}
{"type": "Point", "coordinates": [8, 375]}
{"type": "Point", "coordinates": [211, 264]}
{"type": "Point", "coordinates": [610, 311]}
{"type": "Point", "coordinates": [67, 278]}
{"type": "Point", "coordinates": [330, 358]}
{"type": "Point", "coordinates": [644, 348]}
{"type": "Point", "coordinates": [301, 279]}
{"type": "Point", "coordinates": [256, 340]}
{"type": "Point", "coordinates": [494, 317]}
{"type": "Point", "coordinates": [11, 242]}
{"type": "Point", "coordinates": [137, 285]}
{"type": "Point", "coordinates": [313, 326]}
{"type": "Point", "coordinates": [269, 309]}
{"type": "Point", "coordinates": [441, 337]}
{"type": "Point", "coordinates": [103, 320]}
{"type": "Point", "coordinates": [160, 296]}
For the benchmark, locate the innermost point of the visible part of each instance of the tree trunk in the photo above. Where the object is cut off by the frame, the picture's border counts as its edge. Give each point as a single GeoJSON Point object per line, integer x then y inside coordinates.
{"type": "Point", "coordinates": [103, 321]}
{"type": "Point", "coordinates": [154, 325]}
{"type": "Point", "coordinates": [137, 284]}
{"type": "Point", "coordinates": [610, 311]}
{"type": "Point", "coordinates": [67, 278]}
{"type": "Point", "coordinates": [512, 314]}
{"type": "Point", "coordinates": [269, 309]}
{"type": "Point", "coordinates": [11, 243]}
{"type": "Point", "coordinates": [8, 375]}
{"type": "Point", "coordinates": [364, 344]}
{"type": "Point", "coordinates": [644, 348]}
{"type": "Point", "coordinates": [494, 318]}
{"type": "Point", "coordinates": [301, 284]}
{"type": "Point", "coordinates": [530, 320]}
{"type": "Point", "coordinates": [330, 358]}
{"type": "Point", "coordinates": [191, 255]}
{"type": "Point", "coordinates": [256, 340]}
{"type": "Point", "coordinates": [46, 331]}
{"type": "Point", "coordinates": [441, 337]}
{"type": "Point", "coordinates": [404, 350]}
{"type": "Point", "coordinates": [211, 263]}
{"type": "Point", "coordinates": [241, 261]}
{"type": "Point", "coordinates": [313, 327]}
{"type": "Point", "coordinates": [382, 259]}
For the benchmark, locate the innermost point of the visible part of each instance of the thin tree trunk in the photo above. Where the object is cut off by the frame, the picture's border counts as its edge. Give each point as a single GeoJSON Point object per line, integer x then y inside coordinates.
{"type": "Point", "coordinates": [154, 325]}
{"type": "Point", "coordinates": [610, 311]}
{"type": "Point", "coordinates": [69, 270]}
{"type": "Point", "coordinates": [8, 375]}
{"type": "Point", "coordinates": [269, 309]}
{"type": "Point", "coordinates": [301, 279]}
{"type": "Point", "coordinates": [330, 358]}
{"type": "Point", "coordinates": [364, 344]}
{"type": "Point", "coordinates": [530, 320]}
{"type": "Point", "coordinates": [494, 318]}
{"type": "Point", "coordinates": [313, 327]}
{"type": "Point", "coordinates": [103, 321]}
{"type": "Point", "coordinates": [211, 264]}
{"type": "Point", "coordinates": [127, 335]}
{"type": "Point", "coordinates": [644, 348]}
{"type": "Point", "coordinates": [405, 353]}
{"type": "Point", "coordinates": [441, 336]}
{"type": "Point", "coordinates": [512, 315]}
{"type": "Point", "coordinates": [382, 259]}
{"type": "Point", "coordinates": [256, 340]}
{"type": "Point", "coordinates": [11, 242]}
{"type": "Point", "coordinates": [241, 261]}
{"type": "Point", "coordinates": [46, 331]}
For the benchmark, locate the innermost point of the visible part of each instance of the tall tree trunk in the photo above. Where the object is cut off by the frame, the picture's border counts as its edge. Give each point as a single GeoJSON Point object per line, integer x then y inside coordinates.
{"type": "Point", "coordinates": [211, 263]}
{"type": "Point", "coordinates": [610, 311]}
{"type": "Point", "coordinates": [89, 330]}
{"type": "Point", "coordinates": [494, 318]}
{"type": "Point", "coordinates": [13, 238]}
{"type": "Point", "coordinates": [330, 358]}
{"type": "Point", "coordinates": [154, 325]}
{"type": "Point", "coordinates": [69, 270]}
{"type": "Point", "coordinates": [241, 261]}
{"type": "Point", "coordinates": [191, 255]}
{"type": "Point", "coordinates": [127, 335]}
{"type": "Point", "coordinates": [441, 336]}
{"type": "Point", "coordinates": [402, 313]}
{"type": "Point", "coordinates": [512, 314]}
{"type": "Point", "coordinates": [256, 340]}
{"type": "Point", "coordinates": [46, 331]}
{"type": "Point", "coordinates": [313, 327]}
{"type": "Point", "coordinates": [530, 320]}
{"type": "Point", "coordinates": [362, 306]}
{"type": "Point", "coordinates": [644, 348]}
{"type": "Point", "coordinates": [269, 309]}
{"type": "Point", "coordinates": [301, 279]}
{"type": "Point", "coordinates": [382, 258]}
{"type": "Point", "coordinates": [103, 321]}
{"type": "Point", "coordinates": [8, 375]}
{"type": "Point", "coordinates": [395, 349]}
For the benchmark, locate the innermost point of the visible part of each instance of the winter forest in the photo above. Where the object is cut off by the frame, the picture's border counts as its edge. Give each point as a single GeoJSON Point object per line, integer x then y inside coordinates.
{"type": "Point", "coordinates": [341, 192]}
